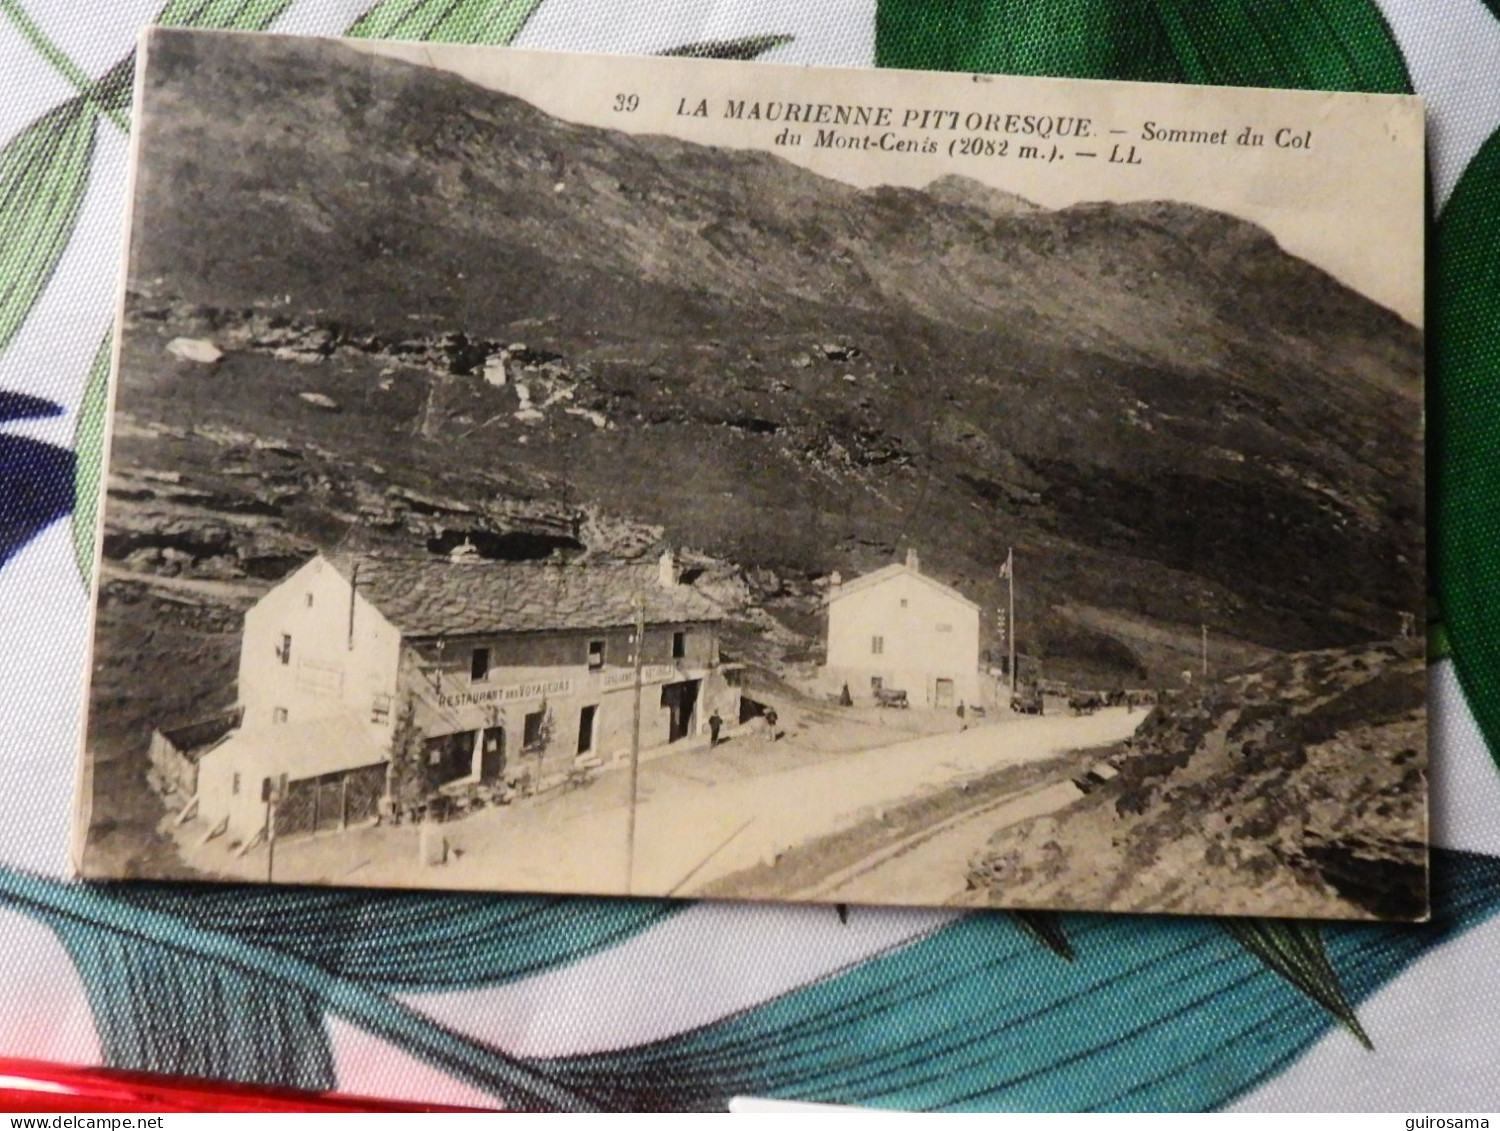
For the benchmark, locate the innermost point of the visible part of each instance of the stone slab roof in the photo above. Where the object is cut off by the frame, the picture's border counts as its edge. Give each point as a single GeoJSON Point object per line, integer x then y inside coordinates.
{"type": "Point", "coordinates": [438, 597]}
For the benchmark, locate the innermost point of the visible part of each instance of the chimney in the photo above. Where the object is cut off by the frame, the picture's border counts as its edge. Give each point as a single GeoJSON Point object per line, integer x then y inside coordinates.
{"type": "Point", "coordinates": [666, 569]}
{"type": "Point", "coordinates": [911, 560]}
{"type": "Point", "coordinates": [835, 583]}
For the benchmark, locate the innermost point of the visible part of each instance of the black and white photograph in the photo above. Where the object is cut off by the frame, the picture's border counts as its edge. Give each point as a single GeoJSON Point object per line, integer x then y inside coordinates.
{"type": "Point", "coordinates": [687, 478]}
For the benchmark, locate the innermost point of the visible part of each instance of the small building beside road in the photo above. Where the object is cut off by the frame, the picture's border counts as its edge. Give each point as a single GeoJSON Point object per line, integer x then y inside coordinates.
{"type": "Point", "coordinates": [500, 670]}
{"type": "Point", "coordinates": [898, 629]}
{"type": "Point", "coordinates": [174, 753]}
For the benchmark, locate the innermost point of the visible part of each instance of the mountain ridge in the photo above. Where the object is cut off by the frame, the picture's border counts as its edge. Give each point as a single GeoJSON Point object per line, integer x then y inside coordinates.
{"type": "Point", "coordinates": [1166, 412]}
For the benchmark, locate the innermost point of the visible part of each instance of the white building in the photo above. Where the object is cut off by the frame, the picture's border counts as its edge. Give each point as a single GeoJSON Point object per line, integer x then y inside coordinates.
{"type": "Point", "coordinates": [898, 629]}
{"type": "Point", "coordinates": [504, 669]}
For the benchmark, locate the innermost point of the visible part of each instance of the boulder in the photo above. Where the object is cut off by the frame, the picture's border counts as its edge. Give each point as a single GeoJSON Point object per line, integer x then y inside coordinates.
{"type": "Point", "coordinates": [199, 350]}
{"type": "Point", "coordinates": [319, 400]}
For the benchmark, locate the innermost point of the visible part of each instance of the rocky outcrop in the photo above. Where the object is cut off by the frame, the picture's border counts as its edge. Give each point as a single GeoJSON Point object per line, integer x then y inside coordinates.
{"type": "Point", "coordinates": [310, 342]}
{"type": "Point", "coordinates": [1297, 787]}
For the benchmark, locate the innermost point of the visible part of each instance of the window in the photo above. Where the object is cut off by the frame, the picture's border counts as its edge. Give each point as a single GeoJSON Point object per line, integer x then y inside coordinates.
{"type": "Point", "coordinates": [877, 645]}
{"type": "Point", "coordinates": [380, 710]}
{"type": "Point", "coordinates": [452, 755]}
{"type": "Point", "coordinates": [479, 665]}
{"type": "Point", "coordinates": [903, 602]}
{"type": "Point", "coordinates": [943, 626]}
{"type": "Point", "coordinates": [679, 645]}
{"type": "Point", "coordinates": [876, 682]}
{"type": "Point", "coordinates": [535, 737]}
{"type": "Point", "coordinates": [309, 600]}
{"type": "Point", "coordinates": [586, 729]}
{"type": "Point", "coordinates": [285, 651]}
{"type": "Point", "coordinates": [278, 714]}
{"type": "Point", "coordinates": [596, 655]}
{"type": "Point", "coordinates": [234, 784]}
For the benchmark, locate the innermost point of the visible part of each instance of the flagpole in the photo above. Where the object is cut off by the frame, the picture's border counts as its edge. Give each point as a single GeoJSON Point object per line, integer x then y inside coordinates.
{"type": "Point", "coordinates": [1010, 616]}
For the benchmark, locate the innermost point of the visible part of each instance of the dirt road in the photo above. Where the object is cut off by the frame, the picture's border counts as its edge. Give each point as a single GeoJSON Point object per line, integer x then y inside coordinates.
{"type": "Point", "coordinates": [702, 815]}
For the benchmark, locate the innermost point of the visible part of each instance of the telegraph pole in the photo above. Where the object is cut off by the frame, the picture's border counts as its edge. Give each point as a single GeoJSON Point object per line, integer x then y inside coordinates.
{"type": "Point", "coordinates": [273, 791]}
{"type": "Point", "coordinates": [637, 659]}
{"type": "Point", "coordinates": [1010, 616]}
{"type": "Point", "coordinates": [1205, 652]}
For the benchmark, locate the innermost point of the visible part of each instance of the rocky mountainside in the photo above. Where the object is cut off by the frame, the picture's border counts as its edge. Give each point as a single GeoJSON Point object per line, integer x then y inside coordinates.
{"type": "Point", "coordinates": [443, 313]}
{"type": "Point", "coordinates": [1286, 790]}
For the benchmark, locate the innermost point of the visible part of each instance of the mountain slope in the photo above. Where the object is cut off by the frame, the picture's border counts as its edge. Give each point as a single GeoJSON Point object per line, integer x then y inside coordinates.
{"type": "Point", "coordinates": [1162, 410]}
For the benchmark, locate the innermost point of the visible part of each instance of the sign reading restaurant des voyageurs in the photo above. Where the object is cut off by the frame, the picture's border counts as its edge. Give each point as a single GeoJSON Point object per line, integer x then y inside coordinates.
{"type": "Point", "coordinates": [650, 673]}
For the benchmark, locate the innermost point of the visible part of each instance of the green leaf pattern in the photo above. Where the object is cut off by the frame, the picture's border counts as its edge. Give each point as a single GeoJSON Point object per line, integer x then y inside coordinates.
{"type": "Point", "coordinates": [1311, 44]}
{"type": "Point", "coordinates": [88, 449]}
{"type": "Point", "coordinates": [43, 174]}
{"type": "Point", "coordinates": [1465, 355]}
{"type": "Point", "coordinates": [1295, 950]}
{"type": "Point", "coordinates": [746, 47]}
{"type": "Point", "coordinates": [446, 21]}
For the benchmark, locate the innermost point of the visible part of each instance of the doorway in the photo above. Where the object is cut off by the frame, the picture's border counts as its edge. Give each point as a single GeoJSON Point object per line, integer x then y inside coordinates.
{"type": "Point", "coordinates": [492, 754]}
{"type": "Point", "coordinates": [944, 694]}
{"type": "Point", "coordinates": [328, 815]}
{"type": "Point", "coordinates": [681, 700]}
{"type": "Point", "coordinates": [586, 729]}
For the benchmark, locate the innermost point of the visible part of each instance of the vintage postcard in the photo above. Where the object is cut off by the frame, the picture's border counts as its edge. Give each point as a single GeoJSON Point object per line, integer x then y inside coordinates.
{"type": "Point", "coordinates": [552, 473]}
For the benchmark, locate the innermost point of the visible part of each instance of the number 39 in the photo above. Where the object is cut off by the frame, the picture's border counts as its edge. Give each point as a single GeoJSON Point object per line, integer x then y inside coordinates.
{"type": "Point", "coordinates": [627, 103]}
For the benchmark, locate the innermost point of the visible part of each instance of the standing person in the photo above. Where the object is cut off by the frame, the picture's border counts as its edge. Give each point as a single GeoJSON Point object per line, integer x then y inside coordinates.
{"type": "Point", "coordinates": [771, 724]}
{"type": "Point", "coordinates": [714, 723]}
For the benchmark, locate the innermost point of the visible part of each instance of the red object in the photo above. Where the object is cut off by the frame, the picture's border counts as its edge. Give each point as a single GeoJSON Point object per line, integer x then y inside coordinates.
{"type": "Point", "coordinates": [34, 1085]}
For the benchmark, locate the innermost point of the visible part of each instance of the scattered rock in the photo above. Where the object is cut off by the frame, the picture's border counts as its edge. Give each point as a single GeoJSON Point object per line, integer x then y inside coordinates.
{"type": "Point", "coordinates": [276, 447]}
{"type": "Point", "coordinates": [595, 418]}
{"type": "Point", "coordinates": [199, 350]}
{"type": "Point", "coordinates": [428, 504]}
{"type": "Point", "coordinates": [319, 400]}
{"type": "Point", "coordinates": [836, 352]}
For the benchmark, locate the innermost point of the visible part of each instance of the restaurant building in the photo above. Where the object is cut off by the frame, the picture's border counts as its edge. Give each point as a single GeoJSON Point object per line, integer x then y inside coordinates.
{"type": "Point", "coordinates": [504, 670]}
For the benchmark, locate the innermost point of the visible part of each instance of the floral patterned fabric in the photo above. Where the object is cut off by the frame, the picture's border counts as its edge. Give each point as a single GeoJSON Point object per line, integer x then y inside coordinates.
{"type": "Point", "coordinates": [582, 1004]}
